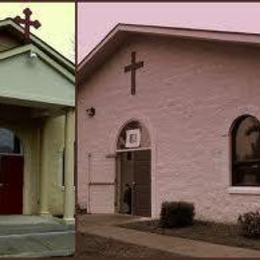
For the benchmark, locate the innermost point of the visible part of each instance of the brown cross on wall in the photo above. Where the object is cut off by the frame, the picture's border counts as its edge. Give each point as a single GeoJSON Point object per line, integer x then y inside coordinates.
{"type": "Point", "coordinates": [133, 67]}
{"type": "Point", "coordinates": [27, 23]}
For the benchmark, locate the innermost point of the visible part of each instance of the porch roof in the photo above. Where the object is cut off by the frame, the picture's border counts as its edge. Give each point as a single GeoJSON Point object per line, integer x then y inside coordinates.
{"type": "Point", "coordinates": [34, 74]}
{"type": "Point", "coordinates": [10, 27]}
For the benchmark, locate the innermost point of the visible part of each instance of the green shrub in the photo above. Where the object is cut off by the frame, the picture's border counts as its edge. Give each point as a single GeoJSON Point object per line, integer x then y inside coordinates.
{"type": "Point", "coordinates": [249, 224]}
{"type": "Point", "coordinates": [176, 214]}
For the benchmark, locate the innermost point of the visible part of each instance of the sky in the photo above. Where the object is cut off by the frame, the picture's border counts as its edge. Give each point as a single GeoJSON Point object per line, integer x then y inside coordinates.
{"type": "Point", "coordinates": [57, 19]}
{"type": "Point", "coordinates": [95, 20]}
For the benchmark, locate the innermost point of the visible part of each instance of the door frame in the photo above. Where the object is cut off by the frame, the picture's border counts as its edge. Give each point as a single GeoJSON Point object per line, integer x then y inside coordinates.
{"type": "Point", "coordinates": [119, 174]}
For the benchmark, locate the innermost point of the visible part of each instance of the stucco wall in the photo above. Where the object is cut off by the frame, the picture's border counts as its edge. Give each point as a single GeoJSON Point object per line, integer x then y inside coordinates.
{"type": "Point", "coordinates": [55, 128]}
{"type": "Point", "coordinates": [29, 134]}
{"type": "Point", "coordinates": [188, 95]}
{"type": "Point", "coordinates": [55, 143]}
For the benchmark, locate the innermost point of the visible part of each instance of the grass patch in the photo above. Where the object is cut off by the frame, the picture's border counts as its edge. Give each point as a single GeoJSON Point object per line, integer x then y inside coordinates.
{"type": "Point", "coordinates": [217, 233]}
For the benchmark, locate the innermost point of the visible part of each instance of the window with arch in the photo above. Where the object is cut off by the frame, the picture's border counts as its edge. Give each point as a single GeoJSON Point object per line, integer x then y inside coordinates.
{"type": "Point", "coordinates": [246, 151]}
{"type": "Point", "coordinates": [9, 143]}
{"type": "Point", "coordinates": [133, 136]}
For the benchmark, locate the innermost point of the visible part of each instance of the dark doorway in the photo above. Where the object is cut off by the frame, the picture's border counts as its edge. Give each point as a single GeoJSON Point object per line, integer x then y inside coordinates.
{"type": "Point", "coordinates": [11, 173]}
{"type": "Point", "coordinates": [11, 184]}
{"type": "Point", "coordinates": [135, 170]}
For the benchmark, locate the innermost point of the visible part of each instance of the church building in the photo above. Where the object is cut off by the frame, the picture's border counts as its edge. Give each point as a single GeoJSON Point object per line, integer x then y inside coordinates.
{"type": "Point", "coordinates": [173, 114]}
{"type": "Point", "coordinates": [37, 92]}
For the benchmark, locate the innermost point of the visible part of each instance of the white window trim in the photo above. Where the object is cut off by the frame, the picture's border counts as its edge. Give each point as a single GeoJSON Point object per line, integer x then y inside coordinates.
{"type": "Point", "coordinates": [244, 190]}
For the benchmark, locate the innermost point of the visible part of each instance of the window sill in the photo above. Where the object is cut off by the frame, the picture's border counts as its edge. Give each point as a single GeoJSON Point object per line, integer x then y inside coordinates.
{"type": "Point", "coordinates": [244, 190]}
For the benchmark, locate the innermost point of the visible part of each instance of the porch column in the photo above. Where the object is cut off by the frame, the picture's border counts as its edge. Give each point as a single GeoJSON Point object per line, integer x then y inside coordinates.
{"type": "Point", "coordinates": [69, 189]}
{"type": "Point", "coordinates": [44, 211]}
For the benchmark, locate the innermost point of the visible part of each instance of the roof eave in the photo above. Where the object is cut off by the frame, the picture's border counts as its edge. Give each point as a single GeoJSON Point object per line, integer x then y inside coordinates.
{"type": "Point", "coordinates": [41, 44]}
{"type": "Point", "coordinates": [30, 47]}
{"type": "Point", "coordinates": [121, 31]}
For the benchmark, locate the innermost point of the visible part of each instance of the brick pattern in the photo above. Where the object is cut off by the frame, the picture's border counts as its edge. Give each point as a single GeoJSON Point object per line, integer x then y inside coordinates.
{"type": "Point", "coordinates": [188, 95]}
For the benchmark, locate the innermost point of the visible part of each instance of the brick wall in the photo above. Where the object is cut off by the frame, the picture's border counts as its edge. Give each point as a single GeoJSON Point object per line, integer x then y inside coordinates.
{"type": "Point", "coordinates": [188, 95]}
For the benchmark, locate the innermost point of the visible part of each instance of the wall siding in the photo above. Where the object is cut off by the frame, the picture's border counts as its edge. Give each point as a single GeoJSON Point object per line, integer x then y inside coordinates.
{"type": "Point", "coordinates": [188, 93]}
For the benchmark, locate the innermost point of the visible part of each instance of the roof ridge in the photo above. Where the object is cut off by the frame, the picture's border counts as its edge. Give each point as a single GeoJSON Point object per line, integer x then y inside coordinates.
{"type": "Point", "coordinates": [186, 28]}
{"type": "Point", "coordinates": [116, 36]}
{"type": "Point", "coordinates": [38, 42]}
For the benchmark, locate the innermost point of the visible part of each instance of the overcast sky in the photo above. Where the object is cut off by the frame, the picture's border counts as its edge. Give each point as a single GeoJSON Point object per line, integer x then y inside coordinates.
{"type": "Point", "coordinates": [57, 19]}
{"type": "Point", "coordinates": [97, 19]}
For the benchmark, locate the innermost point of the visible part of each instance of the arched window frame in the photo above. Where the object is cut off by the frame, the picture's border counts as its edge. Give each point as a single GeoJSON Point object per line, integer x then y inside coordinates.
{"type": "Point", "coordinates": [17, 145]}
{"type": "Point", "coordinates": [145, 142]}
{"type": "Point", "coordinates": [253, 165]}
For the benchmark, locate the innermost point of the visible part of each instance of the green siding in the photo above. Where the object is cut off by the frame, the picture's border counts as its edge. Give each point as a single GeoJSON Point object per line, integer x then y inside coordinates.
{"type": "Point", "coordinates": [35, 81]}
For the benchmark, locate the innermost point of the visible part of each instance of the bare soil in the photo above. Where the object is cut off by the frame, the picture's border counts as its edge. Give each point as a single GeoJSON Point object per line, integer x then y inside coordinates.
{"type": "Point", "coordinates": [92, 245]}
{"type": "Point", "coordinates": [218, 233]}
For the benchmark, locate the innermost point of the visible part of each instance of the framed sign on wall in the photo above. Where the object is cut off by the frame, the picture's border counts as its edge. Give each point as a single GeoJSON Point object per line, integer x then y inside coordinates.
{"type": "Point", "coordinates": [133, 138]}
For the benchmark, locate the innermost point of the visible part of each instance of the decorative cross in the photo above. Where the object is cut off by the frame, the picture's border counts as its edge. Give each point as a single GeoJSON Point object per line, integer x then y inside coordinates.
{"type": "Point", "coordinates": [27, 23]}
{"type": "Point", "coordinates": [133, 67]}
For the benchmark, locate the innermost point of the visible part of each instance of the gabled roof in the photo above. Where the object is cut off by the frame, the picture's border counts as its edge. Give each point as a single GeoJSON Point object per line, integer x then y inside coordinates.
{"type": "Point", "coordinates": [31, 48]}
{"type": "Point", "coordinates": [10, 27]}
{"type": "Point", "coordinates": [121, 32]}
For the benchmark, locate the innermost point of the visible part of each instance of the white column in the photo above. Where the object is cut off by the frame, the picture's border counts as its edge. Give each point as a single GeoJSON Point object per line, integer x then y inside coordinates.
{"type": "Point", "coordinates": [44, 211]}
{"type": "Point", "coordinates": [69, 189]}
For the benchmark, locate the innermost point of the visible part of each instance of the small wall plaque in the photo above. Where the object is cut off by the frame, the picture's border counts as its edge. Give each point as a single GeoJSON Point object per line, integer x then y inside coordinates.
{"type": "Point", "coordinates": [133, 138]}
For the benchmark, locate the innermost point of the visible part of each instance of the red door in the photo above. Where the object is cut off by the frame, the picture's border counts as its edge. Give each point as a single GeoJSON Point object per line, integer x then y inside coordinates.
{"type": "Point", "coordinates": [11, 184]}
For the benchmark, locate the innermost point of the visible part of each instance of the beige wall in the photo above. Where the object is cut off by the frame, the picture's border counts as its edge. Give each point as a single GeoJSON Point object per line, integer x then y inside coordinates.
{"type": "Point", "coordinates": [29, 134]}
{"type": "Point", "coordinates": [55, 143]}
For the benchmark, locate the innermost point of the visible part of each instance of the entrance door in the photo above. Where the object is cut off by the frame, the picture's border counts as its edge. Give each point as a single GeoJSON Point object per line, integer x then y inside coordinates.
{"type": "Point", "coordinates": [142, 183]}
{"type": "Point", "coordinates": [11, 184]}
{"type": "Point", "coordinates": [136, 171]}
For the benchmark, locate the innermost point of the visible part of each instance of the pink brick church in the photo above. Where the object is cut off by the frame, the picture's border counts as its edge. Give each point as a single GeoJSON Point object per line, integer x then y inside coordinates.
{"type": "Point", "coordinates": [174, 114]}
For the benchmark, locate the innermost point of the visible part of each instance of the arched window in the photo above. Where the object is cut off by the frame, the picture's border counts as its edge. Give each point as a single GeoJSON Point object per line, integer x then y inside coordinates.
{"type": "Point", "coordinates": [246, 152]}
{"type": "Point", "coordinates": [9, 143]}
{"type": "Point", "coordinates": [133, 136]}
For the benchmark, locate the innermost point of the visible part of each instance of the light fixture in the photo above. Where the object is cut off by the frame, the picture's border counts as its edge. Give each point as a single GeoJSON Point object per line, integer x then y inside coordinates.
{"type": "Point", "coordinates": [91, 111]}
{"type": "Point", "coordinates": [33, 55]}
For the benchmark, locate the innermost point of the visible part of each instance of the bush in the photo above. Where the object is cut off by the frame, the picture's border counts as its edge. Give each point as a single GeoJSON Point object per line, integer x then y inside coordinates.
{"type": "Point", "coordinates": [249, 224]}
{"type": "Point", "coordinates": [176, 214]}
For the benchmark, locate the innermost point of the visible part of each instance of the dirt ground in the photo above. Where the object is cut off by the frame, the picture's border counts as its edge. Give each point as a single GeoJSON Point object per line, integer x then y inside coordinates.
{"type": "Point", "coordinates": [217, 233]}
{"type": "Point", "coordinates": [91, 245]}
{"type": "Point", "coordinates": [88, 245]}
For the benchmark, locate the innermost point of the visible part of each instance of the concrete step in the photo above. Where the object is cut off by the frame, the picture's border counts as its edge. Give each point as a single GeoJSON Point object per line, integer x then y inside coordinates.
{"type": "Point", "coordinates": [41, 244]}
{"type": "Point", "coordinates": [35, 228]}
{"type": "Point", "coordinates": [12, 224]}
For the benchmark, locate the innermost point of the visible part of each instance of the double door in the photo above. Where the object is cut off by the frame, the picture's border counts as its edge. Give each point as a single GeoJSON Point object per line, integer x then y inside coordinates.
{"type": "Point", "coordinates": [135, 170]}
